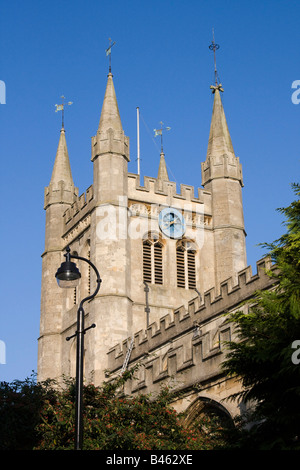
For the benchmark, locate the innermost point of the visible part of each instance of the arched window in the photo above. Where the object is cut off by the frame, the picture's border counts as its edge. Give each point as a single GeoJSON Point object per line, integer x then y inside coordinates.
{"type": "Point", "coordinates": [186, 264]}
{"type": "Point", "coordinates": [209, 409]}
{"type": "Point", "coordinates": [153, 260]}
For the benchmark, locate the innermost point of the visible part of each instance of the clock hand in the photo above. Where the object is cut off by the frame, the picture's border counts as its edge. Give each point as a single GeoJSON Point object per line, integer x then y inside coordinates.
{"type": "Point", "coordinates": [176, 222]}
{"type": "Point", "coordinates": [171, 223]}
{"type": "Point", "coordinates": [168, 224]}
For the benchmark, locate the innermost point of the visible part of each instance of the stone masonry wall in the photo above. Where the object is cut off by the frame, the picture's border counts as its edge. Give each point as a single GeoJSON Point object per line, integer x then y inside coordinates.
{"type": "Point", "coordinates": [186, 350]}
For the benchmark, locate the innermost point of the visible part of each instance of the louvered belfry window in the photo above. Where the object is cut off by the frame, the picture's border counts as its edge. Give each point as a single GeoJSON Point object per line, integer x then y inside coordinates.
{"type": "Point", "coordinates": [158, 268]}
{"type": "Point", "coordinates": [147, 264]}
{"type": "Point", "coordinates": [186, 265]}
{"type": "Point", "coordinates": [180, 252]}
{"type": "Point", "coordinates": [191, 269]}
{"type": "Point", "coordinates": [153, 261]}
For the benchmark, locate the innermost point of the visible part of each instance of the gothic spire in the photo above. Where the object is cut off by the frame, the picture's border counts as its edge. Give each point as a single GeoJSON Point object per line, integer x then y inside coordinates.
{"type": "Point", "coordinates": [162, 170]}
{"type": "Point", "coordinates": [110, 116]}
{"type": "Point", "coordinates": [219, 142]}
{"type": "Point", "coordinates": [221, 161]}
{"type": "Point", "coordinates": [62, 169]}
{"type": "Point", "coordinates": [110, 137]}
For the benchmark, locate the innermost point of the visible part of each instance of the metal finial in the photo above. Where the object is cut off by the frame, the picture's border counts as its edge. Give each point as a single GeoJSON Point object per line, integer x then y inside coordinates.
{"type": "Point", "coordinates": [213, 47]}
{"type": "Point", "coordinates": [61, 107]}
{"type": "Point", "coordinates": [160, 132]}
{"type": "Point", "coordinates": [108, 52]}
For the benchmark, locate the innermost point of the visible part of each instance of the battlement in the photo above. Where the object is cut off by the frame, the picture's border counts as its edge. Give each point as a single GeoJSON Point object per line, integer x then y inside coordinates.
{"type": "Point", "coordinates": [205, 313]}
{"type": "Point", "coordinates": [59, 193]}
{"type": "Point", "coordinates": [221, 166]}
{"type": "Point", "coordinates": [154, 188]}
{"type": "Point", "coordinates": [79, 208]}
{"type": "Point", "coordinates": [110, 141]}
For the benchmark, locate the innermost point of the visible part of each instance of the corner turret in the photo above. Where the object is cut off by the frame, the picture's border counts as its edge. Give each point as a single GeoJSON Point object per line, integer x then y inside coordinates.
{"type": "Point", "coordinates": [222, 177]}
{"type": "Point", "coordinates": [59, 196]}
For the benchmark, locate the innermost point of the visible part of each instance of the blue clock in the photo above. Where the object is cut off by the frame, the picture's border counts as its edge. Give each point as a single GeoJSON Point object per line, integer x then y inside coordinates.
{"type": "Point", "coordinates": [171, 223]}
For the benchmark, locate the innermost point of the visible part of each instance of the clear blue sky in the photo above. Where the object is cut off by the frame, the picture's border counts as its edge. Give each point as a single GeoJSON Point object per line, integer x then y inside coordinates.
{"type": "Point", "coordinates": [161, 62]}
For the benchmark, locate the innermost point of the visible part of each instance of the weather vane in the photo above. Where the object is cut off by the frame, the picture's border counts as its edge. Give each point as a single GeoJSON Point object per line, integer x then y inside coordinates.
{"type": "Point", "coordinates": [214, 47]}
{"type": "Point", "coordinates": [108, 52]}
{"type": "Point", "coordinates": [160, 132]}
{"type": "Point", "coordinates": [61, 107]}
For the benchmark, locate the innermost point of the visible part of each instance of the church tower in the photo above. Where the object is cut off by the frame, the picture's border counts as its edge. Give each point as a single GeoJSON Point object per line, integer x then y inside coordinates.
{"type": "Point", "coordinates": [59, 196]}
{"type": "Point", "coordinates": [156, 249]}
{"type": "Point", "coordinates": [110, 247]}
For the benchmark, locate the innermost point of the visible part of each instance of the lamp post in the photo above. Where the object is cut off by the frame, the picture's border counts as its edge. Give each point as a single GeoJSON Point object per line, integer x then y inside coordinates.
{"type": "Point", "coordinates": [67, 276]}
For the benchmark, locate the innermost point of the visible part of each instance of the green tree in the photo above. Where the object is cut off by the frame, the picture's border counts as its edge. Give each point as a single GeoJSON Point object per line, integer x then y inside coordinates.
{"type": "Point", "coordinates": [114, 421]}
{"type": "Point", "coordinates": [20, 406]}
{"type": "Point", "coordinates": [41, 416]}
{"type": "Point", "coordinates": [262, 356]}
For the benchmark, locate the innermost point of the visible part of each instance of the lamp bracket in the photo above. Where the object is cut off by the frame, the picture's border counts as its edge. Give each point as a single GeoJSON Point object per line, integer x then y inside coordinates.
{"type": "Point", "coordinates": [76, 332]}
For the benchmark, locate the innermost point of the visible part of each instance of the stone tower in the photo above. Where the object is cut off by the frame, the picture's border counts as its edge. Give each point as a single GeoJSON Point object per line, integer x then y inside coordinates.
{"type": "Point", "coordinates": [59, 196]}
{"type": "Point", "coordinates": [222, 177]}
{"type": "Point", "coordinates": [156, 249]}
{"type": "Point", "coordinates": [110, 247]}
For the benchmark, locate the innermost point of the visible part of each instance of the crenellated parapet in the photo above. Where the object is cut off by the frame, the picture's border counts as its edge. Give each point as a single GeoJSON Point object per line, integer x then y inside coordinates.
{"type": "Point", "coordinates": [221, 166]}
{"type": "Point", "coordinates": [78, 211]}
{"type": "Point", "coordinates": [60, 192]}
{"type": "Point", "coordinates": [152, 186]}
{"type": "Point", "coordinates": [110, 141]}
{"type": "Point", "coordinates": [190, 341]}
{"type": "Point", "coordinates": [165, 193]}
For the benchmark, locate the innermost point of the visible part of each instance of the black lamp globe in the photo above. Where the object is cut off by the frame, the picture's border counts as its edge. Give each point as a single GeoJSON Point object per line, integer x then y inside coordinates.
{"type": "Point", "coordinates": [68, 274]}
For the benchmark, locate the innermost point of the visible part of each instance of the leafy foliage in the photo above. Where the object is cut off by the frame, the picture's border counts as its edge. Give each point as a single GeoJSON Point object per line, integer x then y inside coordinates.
{"type": "Point", "coordinates": [114, 421]}
{"type": "Point", "coordinates": [41, 416]}
{"type": "Point", "coordinates": [20, 406]}
{"type": "Point", "coordinates": [262, 354]}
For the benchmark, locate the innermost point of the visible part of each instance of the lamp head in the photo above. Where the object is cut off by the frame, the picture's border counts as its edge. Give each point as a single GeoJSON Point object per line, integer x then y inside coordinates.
{"type": "Point", "coordinates": [68, 274]}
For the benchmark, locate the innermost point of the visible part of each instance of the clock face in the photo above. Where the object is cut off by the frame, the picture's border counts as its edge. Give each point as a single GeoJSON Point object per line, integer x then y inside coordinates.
{"type": "Point", "coordinates": [171, 223]}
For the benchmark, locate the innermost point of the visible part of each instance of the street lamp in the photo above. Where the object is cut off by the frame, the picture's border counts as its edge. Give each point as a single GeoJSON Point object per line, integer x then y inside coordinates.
{"type": "Point", "coordinates": [67, 276]}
